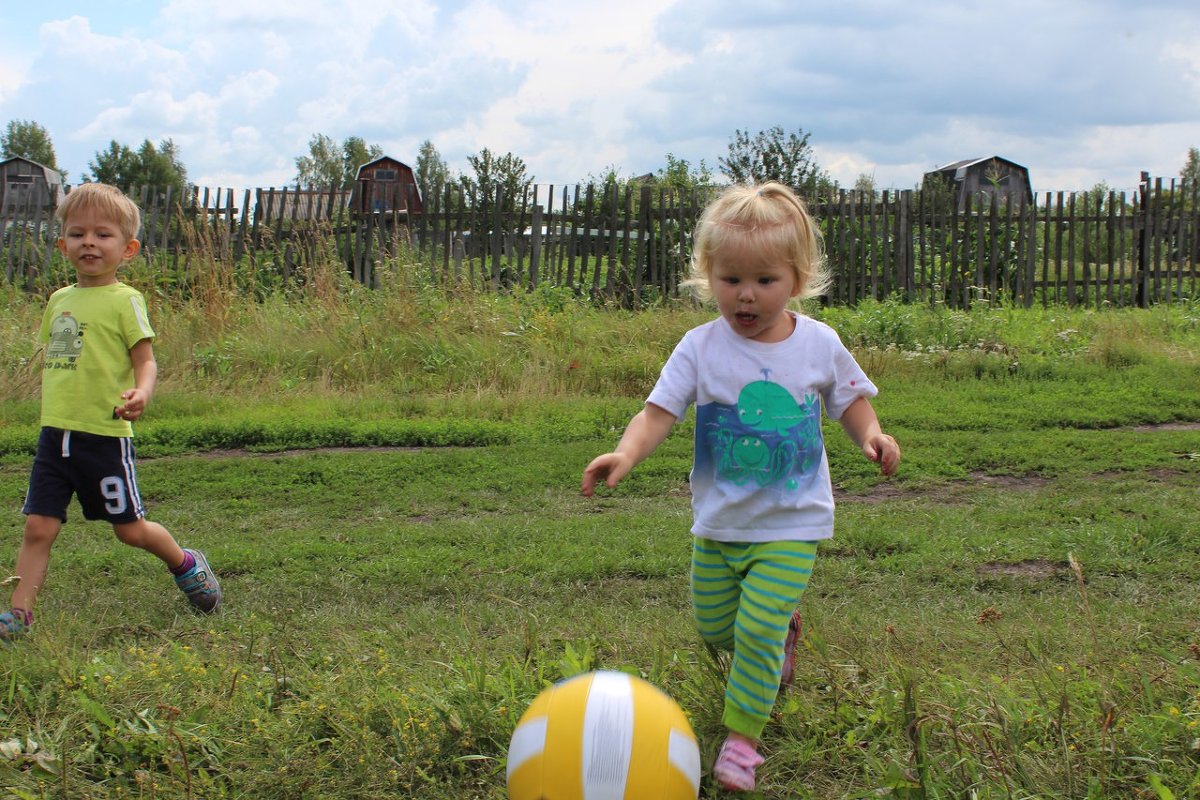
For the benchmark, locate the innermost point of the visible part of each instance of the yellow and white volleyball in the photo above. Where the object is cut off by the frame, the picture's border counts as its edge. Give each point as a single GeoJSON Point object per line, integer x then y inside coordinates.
{"type": "Point", "coordinates": [603, 736]}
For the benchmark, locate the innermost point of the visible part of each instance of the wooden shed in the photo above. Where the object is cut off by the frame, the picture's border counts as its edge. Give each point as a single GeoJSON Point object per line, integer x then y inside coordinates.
{"type": "Point", "coordinates": [993, 176]}
{"type": "Point", "coordinates": [28, 185]}
{"type": "Point", "coordinates": [385, 185]}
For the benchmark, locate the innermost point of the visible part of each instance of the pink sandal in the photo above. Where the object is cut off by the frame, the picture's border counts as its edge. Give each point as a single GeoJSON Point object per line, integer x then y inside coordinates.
{"type": "Point", "coordinates": [734, 767]}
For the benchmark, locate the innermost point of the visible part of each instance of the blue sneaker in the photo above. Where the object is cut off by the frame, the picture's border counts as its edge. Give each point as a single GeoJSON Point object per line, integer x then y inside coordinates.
{"type": "Point", "coordinates": [13, 625]}
{"type": "Point", "coordinates": [200, 584]}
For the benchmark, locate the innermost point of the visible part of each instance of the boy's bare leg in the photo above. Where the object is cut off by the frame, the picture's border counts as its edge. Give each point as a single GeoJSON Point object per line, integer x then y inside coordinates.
{"type": "Point", "coordinates": [151, 537]}
{"type": "Point", "coordinates": [33, 559]}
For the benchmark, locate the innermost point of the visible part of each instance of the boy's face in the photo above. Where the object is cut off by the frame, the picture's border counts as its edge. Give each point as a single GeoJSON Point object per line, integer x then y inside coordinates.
{"type": "Point", "coordinates": [95, 246]}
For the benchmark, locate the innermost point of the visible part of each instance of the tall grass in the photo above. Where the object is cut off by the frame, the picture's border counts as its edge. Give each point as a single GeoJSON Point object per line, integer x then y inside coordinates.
{"type": "Point", "coordinates": [323, 334]}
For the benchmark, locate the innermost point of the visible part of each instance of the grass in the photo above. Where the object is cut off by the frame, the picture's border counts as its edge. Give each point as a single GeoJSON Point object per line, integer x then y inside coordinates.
{"type": "Point", "coordinates": [1013, 616]}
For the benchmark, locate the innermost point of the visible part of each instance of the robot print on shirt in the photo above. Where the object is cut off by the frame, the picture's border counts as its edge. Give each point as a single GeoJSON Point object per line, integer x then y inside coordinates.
{"type": "Point", "coordinates": [769, 438]}
{"type": "Point", "coordinates": [66, 338]}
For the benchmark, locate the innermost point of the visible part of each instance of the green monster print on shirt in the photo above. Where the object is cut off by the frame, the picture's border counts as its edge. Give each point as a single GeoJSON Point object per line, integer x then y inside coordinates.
{"type": "Point", "coordinates": [769, 438]}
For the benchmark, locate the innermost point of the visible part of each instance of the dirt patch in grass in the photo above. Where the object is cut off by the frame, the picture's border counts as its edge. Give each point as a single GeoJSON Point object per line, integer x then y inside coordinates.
{"type": "Point", "coordinates": [1169, 426]}
{"type": "Point", "coordinates": [1033, 568]}
{"type": "Point", "coordinates": [948, 493]}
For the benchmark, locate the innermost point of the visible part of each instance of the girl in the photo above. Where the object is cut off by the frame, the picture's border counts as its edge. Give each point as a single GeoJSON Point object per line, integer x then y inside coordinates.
{"type": "Point", "coordinates": [761, 493]}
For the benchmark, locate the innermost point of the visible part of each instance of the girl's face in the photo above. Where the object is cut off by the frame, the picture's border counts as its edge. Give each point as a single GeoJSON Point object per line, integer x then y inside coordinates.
{"type": "Point", "coordinates": [752, 293]}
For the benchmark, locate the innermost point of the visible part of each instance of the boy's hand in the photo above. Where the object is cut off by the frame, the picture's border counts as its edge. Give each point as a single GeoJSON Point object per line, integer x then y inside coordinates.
{"type": "Point", "coordinates": [884, 450]}
{"type": "Point", "coordinates": [134, 407]}
{"type": "Point", "coordinates": [610, 467]}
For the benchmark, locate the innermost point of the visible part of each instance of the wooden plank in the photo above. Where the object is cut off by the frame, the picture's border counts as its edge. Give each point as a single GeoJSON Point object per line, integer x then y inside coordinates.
{"type": "Point", "coordinates": [627, 228]}
{"type": "Point", "coordinates": [494, 239]}
{"type": "Point", "coordinates": [975, 213]}
{"type": "Point", "coordinates": [640, 256]}
{"type": "Point", "coordinates": [590, 246]}
{"type": "Point", "coordinates": [1156, 237]}
{"type": "Point", "coordinates": [1030, 263]}
{"type": "Point", "coordinates": [871, 248]}
{"type": "Point", "coordinates": [535, 245]}
{"type": "Point", "coordinates": [1110, 242]}
{"type": "Point", "coordinates": [1072, 283]}
{"type": "Point", "coordinates": [611, 268]}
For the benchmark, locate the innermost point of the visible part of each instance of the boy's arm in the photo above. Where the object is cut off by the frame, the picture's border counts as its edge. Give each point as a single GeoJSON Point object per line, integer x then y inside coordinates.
{"type": "Point", "coordinates": [145, 378]}
{"type": "Point", "coordinates": [645, 432]}
{"type": "Point", "coordinates": [862, 425]}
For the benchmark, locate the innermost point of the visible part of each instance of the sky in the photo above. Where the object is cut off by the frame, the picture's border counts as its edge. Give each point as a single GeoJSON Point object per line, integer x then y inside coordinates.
{"type": "Point", "coordinates": [1079, 91]}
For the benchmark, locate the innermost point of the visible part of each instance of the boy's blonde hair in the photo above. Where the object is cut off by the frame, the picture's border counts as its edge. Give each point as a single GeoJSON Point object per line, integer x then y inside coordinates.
{"type": "Point", "coordinates": [105, 200]}
{"type": "Point", "coordinates": [770, 219]}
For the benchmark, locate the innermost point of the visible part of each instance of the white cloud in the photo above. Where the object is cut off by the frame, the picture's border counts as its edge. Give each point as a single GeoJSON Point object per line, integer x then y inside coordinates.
{"type": "Point", "coordinates": [575, 88]}
{"type": "Point", "coordinates": [13, 75]}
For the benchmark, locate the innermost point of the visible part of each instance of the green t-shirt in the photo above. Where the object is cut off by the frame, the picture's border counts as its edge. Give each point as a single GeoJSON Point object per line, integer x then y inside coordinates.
{"type": "Point", "coordinates": [88, 333]}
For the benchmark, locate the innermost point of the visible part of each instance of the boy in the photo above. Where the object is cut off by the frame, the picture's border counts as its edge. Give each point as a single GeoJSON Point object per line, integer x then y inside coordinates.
{"type": "Point", "coordinates": [98, 344]}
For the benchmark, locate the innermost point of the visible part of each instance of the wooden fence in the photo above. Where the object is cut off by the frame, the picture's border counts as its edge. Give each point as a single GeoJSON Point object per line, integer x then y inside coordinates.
{"type": "Point", "coordinates": [631, 244]}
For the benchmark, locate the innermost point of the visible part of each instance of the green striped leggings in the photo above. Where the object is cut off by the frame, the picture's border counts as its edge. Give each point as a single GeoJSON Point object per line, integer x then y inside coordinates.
{"type": "Point", "coordinates": [743, 595]}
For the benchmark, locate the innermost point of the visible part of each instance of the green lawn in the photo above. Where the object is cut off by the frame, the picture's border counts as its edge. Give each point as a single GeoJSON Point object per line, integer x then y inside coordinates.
{"type": "Point", "coordinates": [1012, 616]}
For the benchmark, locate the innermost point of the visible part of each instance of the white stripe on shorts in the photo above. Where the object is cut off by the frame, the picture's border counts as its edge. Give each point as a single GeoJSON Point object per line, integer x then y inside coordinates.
{"type": "Point", "coordinates": [131, 485]}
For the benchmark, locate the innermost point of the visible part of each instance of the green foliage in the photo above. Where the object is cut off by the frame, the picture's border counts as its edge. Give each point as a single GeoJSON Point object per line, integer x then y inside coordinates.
{"type": "Point", "coordinates": [495, 177]}
{"type": "Point", "coordinates": [158, 167]}
{"type": "Point", "coordinates": [432, 176]}
{"type": "Point", "coordinates": [681, 175]}
{"type": "Point", "coordinates": [391, 613]}
{"type": "Point", "coordinates": [330, 164]}
{"type": "Point", "coordinates": [1190, 173]}
{"type": "Point", "coordinates": [387, 484]}
{"type": "Point", "coordinates": [355, 153]}
{"type": "Point", "coordinates": [26, 138]}
{"type": "Point", "coordinates": [772, 155]}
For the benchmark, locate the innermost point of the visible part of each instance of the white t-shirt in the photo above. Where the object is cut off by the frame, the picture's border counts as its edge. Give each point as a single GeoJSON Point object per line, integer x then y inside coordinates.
{"type": "Point", "coordinates": [760, 472]}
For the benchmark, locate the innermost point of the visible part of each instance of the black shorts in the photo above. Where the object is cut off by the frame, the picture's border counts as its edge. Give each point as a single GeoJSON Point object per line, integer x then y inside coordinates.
{"type": "Point", "coordinates": [98, 469]}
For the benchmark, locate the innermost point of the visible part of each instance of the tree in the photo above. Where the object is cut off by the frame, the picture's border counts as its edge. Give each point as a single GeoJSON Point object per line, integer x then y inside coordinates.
{"type": "Point", "coordinates": [323, 165]}
{"type": "Point", "coordinates": [330, 164]}
{"type": "Point", "coordinates": [864, 185]}
{"type": "Point", "coordinates": [355, 153]}
{"type": "Point", "coordinates": [679, 174]}
{"type": "Point", "coordinates": [113, 165]}
{"type": "Point", "coordinates": [506, 173]}
{"type": "Point", "coordinates": [24, 138]}
{"type": "Point", "coordinates": [431, 173]}
{"type": "Point", "coordinates": [149, 166]}
{"type": "Point", "coordinates": [1191, 168]}
{"type": "Point", "coordinates": [771, 155]}
{"type": "Point", "coordinates": [162, 166]}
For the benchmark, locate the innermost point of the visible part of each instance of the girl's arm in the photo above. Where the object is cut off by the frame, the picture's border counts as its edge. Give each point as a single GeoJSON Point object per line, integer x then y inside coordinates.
{"type": "Point", "coordinates": [645, 432]}
{"type": "Point", "coordinates": [862, 425]}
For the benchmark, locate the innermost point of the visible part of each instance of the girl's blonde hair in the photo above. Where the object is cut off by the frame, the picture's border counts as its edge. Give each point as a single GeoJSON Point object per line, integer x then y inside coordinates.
{"type": "Point", "coordinates": [107, 201]}
{"type": "Point", "coordinates": [768, 218]}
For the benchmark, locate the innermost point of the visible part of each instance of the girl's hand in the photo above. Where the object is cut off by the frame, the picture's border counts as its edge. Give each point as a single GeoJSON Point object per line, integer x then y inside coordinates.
{"type": "Point", "coordinates": [883, 450]}
{"type": "Point", "coordinates": [610, 468]}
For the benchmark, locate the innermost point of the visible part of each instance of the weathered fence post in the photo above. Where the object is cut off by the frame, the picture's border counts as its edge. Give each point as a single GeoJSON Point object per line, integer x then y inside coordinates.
{"type": "Point", "coordinates": [1142, 225]}
{"type": "Point", "coordinates": [535, 244]}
